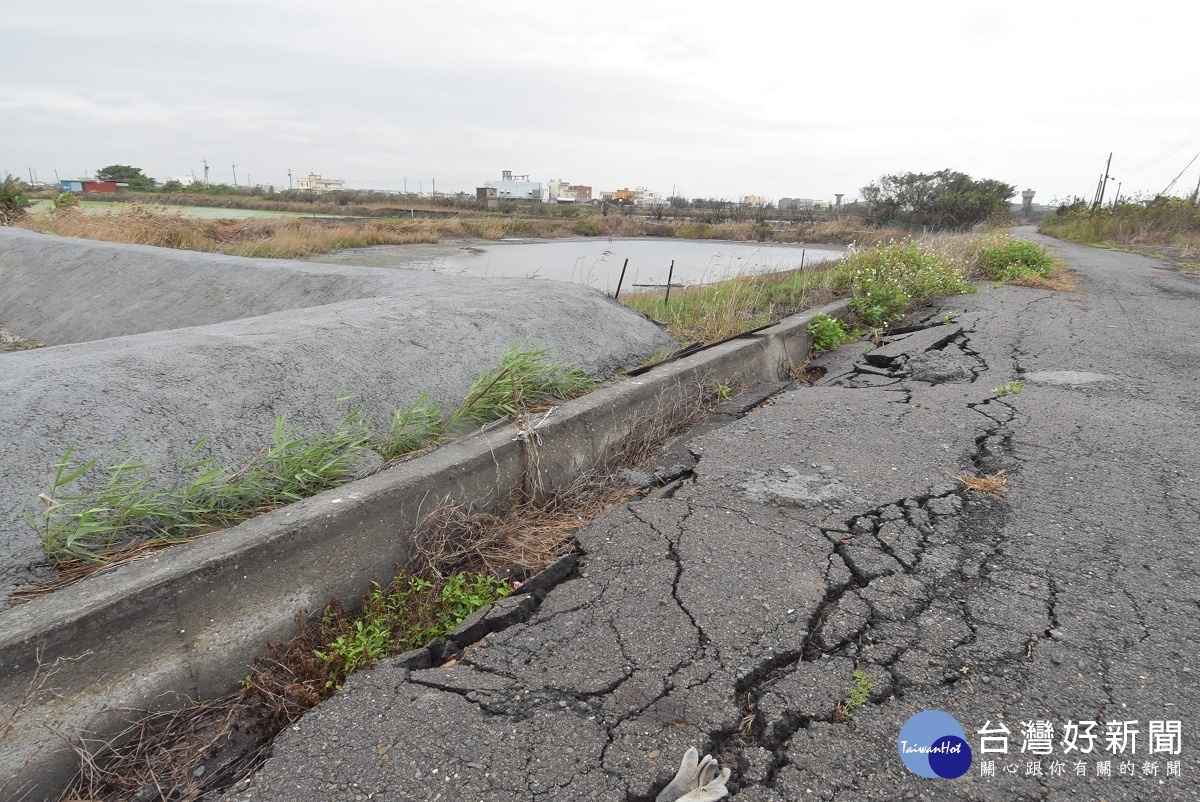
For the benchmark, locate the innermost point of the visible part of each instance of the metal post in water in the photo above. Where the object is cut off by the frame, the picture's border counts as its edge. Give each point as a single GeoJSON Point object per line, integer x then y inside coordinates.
{"type": "Point", "coordinates": [801, 260]}
{"type": "Point", "coordinates": [621, 280]}
{"type": "Point", "coordinates": [670, 273]}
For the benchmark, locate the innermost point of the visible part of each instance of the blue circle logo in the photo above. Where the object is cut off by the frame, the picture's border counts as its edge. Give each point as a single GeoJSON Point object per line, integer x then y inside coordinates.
{"type": "Point", "coordinates": [933, 744]}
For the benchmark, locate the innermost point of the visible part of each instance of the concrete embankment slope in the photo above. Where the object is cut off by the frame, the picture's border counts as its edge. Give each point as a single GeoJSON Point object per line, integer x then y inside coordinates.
{"type": "Point", "coordinates": [384, 336]}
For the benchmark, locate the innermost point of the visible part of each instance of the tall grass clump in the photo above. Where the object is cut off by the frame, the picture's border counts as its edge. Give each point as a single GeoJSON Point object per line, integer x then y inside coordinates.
{"type": "Point", "coordinates": [885, 281]}
{"type": "Point", "coordinates": [714, 311]}
{"type": "Point", "coordinates": [1003, 257]}
{"type": "Point", "coordinates": [524, 379]}
{"type": "Point", "coordinates": [1164, 221]}
{"type": "Point", "coordinates": [280, 237]}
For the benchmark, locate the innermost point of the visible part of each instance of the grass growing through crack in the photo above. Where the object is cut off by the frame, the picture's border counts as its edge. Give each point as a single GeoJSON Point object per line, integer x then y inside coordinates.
{"type": "Point", "coordinates": [1009, 388]}
{"type": "Point", "coordinates": [856, 696]}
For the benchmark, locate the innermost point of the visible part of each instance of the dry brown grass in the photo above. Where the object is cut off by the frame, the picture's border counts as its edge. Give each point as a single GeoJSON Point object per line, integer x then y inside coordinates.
{"type": "Point", "coordinates": [14, 342]}
{"type": "Point", "coordinates": [281, 237]}
{"type": "Point", "coordinates": [293, 237]}
{"type": "Point", "coordinates": [993, 485]}
{"type": "Point", "coordinates": [1060, 279]}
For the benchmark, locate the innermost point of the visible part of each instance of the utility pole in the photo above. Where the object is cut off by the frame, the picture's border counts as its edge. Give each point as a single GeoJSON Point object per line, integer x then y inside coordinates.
{"type": "Point", "coordinates": [1103, 184]}
{"type": "Point", "coordinates": [289, 179]}
{"type": "Point", "coordinates": [30, 169]}
{"type": "Point", "coordinates": [205, 171]}
{"type": "Point", "coordinates": [235, 175]}
{"type": "Point", "coordinates": [406, 186]}
{"type": "Point", "coordinates": [434, 180]}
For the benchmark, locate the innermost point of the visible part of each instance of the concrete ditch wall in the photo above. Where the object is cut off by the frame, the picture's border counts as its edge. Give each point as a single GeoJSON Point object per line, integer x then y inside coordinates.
{"type": "Point", "coordinates": [189, 621]}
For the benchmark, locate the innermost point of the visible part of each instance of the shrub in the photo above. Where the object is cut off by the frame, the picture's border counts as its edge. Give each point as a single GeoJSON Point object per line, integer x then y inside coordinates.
{"type": "Point", "coordinates": [12, 201]}
{"type": "Point", "coordinates": [885, 281]}
{"type": "Point", "coordinates": [827, 332]}
{"type": "Point", "coordinates": [586, 227]}
{"type": "Point", "coordinates": [1003, 257]}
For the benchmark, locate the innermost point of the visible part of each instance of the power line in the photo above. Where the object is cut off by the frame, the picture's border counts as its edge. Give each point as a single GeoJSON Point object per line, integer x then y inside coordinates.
{"type": "Point", "coordinates": [1181, 172]}
{"type": "Point", "coordinates": [1170, 151]}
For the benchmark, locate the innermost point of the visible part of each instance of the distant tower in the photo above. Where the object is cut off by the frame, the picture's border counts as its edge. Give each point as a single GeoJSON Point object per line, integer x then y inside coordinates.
{"type": "Point", "coordinates": [838, 199]}
{"type": "Point", "coordinates": [1027, 203]}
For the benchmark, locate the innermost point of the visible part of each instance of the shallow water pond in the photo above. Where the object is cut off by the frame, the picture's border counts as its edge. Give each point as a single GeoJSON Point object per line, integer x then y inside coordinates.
{"type": "Point", "coordinates": [592, 261]}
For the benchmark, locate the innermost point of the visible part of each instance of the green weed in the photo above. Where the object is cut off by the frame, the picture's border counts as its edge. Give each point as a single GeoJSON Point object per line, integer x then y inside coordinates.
{"type": "Point", "coordinates": [407, 614]}
{"type": "Point", "coordinates": [412, 429]}
{"type": "Point", "coordinates": [887, 280]}
{"type": "Point", "coordinates": [827, 332]}
{"type": "Point", "coordinates": [1003, 257]}
{"type": "Point", "coordinates": [89, 512]}
{"type": "Point", "coordinates": [13, 201]}
{"type": "Point", "coordinates": [856, 696]}
{"type": "Point", "coordinates": [523, 378]}
{"type": "Point", "coordinates": [1009, 388]}
{"type": "Point", "coordinates": [713, 311]}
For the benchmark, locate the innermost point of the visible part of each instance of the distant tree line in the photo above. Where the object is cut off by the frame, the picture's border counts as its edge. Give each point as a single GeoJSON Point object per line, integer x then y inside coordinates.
{"type": "Point", "coordinates": [945, 199]}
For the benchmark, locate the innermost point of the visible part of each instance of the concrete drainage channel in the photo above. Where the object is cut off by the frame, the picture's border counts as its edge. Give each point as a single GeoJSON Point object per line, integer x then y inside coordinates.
{"type": "Point", "coordinates": [185, 623]}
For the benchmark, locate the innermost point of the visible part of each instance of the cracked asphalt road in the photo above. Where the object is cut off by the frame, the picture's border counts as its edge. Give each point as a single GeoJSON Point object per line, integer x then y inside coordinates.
{"type": "Point", "coordinates": [824, 532]}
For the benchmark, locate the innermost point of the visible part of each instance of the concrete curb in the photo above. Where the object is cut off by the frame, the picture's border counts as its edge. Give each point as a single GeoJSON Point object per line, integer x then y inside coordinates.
{"type": "Point", "coordinates": [187, 622]}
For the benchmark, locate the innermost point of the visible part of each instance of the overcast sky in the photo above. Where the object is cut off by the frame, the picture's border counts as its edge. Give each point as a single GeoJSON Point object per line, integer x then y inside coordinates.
{"type": "Point", "coordinates": [714, 99]}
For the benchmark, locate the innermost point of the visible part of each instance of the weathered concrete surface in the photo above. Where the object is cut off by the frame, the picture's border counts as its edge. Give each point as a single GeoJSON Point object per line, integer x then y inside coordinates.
{"type": "Point", "coordinates": [824, 532]}
{"type": "Point", "coordinates": [161, 392]}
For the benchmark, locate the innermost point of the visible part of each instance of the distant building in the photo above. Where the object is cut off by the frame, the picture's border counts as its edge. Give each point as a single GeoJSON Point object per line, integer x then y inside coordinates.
{"type": "Point", "coordinates": [84, 185]}
{"type": "Point", "coordinates": [801, 204]}
{"type": "Point", "coordinates": [184, 180]}
{"type": "Point", "coordinates": [754, 200]}
{"type": "Point", "coordinates": [582, 193]}
{"type": "Point", "coordinates": [635, 197]}
{"type": "Point", "coordinates": [315, 183]}
{"type": "Point", "coordinates": [510, 188]}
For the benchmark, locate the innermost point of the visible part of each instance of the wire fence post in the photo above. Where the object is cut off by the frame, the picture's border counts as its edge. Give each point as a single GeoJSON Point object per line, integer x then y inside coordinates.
{"type": "Point", "coordinates": [670, 273]}
{"type": "Point", "coordinates": [621, 280]}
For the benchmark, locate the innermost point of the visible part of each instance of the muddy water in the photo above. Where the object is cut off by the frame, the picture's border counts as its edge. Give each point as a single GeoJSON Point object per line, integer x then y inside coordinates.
{"type": "Point", "coordinates": [595, 262]}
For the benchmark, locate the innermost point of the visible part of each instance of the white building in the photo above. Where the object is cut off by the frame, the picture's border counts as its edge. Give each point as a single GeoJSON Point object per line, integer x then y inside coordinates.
{"type": "Point", "coordinates": [314, 183]}
{"type": "Point", "coordinates": [559, 191]}
{"type": "Point", "coordinates": [511, 187]}
{"type": "Point", "coordinates": [799, 204]}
